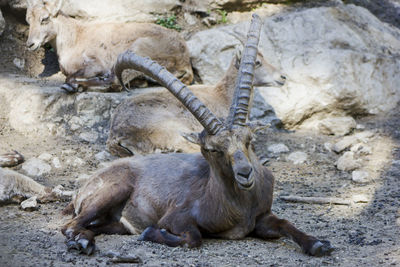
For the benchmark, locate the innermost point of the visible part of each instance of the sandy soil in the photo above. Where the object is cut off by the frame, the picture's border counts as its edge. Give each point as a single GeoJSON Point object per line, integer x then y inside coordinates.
{"type": "Point", "coordinates": [364, 234]}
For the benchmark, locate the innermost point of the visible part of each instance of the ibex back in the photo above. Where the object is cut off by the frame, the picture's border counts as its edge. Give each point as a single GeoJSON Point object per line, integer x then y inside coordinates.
{"type": "Point", "coordinates": [176, 198]}
{"type": "Point", "coordinates": [87, 51]}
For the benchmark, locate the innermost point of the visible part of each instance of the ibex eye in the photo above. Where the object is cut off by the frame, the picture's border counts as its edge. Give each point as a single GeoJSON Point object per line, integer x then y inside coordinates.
{"type": "Point", "coordinates": [258, 63]}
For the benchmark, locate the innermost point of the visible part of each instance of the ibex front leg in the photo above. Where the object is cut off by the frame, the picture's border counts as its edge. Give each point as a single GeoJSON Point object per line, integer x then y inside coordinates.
{"type": "Point", "coordinates": [269, 226]}
{"type": "Point", "coordinates": [175, 231]}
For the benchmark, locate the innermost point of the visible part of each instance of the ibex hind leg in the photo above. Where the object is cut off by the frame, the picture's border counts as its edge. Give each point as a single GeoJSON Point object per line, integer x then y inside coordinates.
{"type": "Point", "coordinates": [96, 217]}
{"type": "Point", "coordinates": [271, 227]}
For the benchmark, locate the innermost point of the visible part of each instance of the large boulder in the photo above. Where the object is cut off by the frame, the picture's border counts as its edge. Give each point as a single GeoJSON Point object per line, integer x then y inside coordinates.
{"type": "Point", "coordinates": [339, 61]}
{"type": "Point", "coordinates": [44, 109]}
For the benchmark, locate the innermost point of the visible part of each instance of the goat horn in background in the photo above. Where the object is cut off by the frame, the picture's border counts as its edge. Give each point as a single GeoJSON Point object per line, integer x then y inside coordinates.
{"type": "Point", "coordinates": [130, 60]}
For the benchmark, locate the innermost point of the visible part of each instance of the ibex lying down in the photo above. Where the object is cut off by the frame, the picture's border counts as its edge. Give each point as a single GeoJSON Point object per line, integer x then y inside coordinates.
{"type": "Point", "coordinates": [87, 51]}
{"type": "Point", "coordinates": [153, 121]}
{"type": "Point", "coordinates": [175, 198]}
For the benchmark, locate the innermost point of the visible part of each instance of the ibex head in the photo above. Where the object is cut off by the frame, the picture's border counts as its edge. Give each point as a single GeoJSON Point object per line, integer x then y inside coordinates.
{"type": "Point", "coordinates": [225, 144]}
{"type": "Point", "coordinates": [39, 17]}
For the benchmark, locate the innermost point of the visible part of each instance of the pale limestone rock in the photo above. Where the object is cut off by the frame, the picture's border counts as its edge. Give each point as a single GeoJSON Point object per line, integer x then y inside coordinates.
{"type": "Point", "coordinates": [347, 162]}
{"type": "Point", "coordinates": [56, 163]}
{"type": "Point", "coordinates": [348, 141]}
{"type": "Point", "coordinates": [360, 177]}
{"type": "Point", "coordinates": [278, 148]}
{"type": "Point", "coordinates": [361, 149]}
{"type": "Point", "coordinates": [30, 204]}
{"type": "Point", "coordinates": [103, 156]}
{"type": "Point", "coordinates": [45, 156]}
{"type": "Point", "coordinates": [339, 61]}
{"type": "Point", "coordinates": [337, 125]}
{"type": "Point", "coordinates": [360, 198]}
{"type": "Point", "coordinates": [36, 167]}
{"type": "Point", "coordinates": [297, 157]}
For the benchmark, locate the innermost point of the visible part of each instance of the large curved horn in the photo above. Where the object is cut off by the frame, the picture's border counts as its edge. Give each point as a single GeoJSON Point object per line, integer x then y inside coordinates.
{"type": "Point", "coordinates": [244, 84]}
{"type": "Point", "coordinates": [129, 60]}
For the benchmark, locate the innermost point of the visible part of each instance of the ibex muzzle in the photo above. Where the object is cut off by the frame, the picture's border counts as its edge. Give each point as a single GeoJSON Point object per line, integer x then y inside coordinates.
{"type": "Point", "coordinates": [176, 198]}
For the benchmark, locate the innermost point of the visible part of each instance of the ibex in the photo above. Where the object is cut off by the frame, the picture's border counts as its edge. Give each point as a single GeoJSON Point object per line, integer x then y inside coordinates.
{"type": "Point", "coordinates": [153, 121]}
{"type": "Point", "coordinates": [176, 198]}
{"type": "Point", "coordinates": [87, 51]}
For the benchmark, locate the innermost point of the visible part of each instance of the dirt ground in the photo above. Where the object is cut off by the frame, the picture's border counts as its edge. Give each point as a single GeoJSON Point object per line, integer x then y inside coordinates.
{"type": "Point", "coordinates": [364, 234]}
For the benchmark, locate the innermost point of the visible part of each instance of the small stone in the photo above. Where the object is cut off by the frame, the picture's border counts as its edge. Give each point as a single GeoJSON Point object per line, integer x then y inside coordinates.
{"type": "Point", "coordinates": [348, 141]}
{"type": "Point", "coordinates": [360, 198]}
{"type": "Point", "coordinates": [19, 63]}
{"type": "Point", "coordinates": [361, 149]}
{"type": "Point", "coordinates": [78, 162]}
{"type": "Point", "coordinates": [45, 156]}
{"type": "Point", "coordinates": [30, 204]}
{"type": "Point", "coordinates": [347, 162]}
{"type": "Point", "coordinates": [90, 137]}
{"type": "Point", "coordinates": [297, 157]}
{"type": "Point", "coordinates": [328, 146]}
{"type": "Point", "coordinates": [360, 127]}
{"type": "Point", "coordinates": [103, 156]}
{"type": "Point", "coordinates": [337, 125]}
{"type": "Point", "coordinates": [56, 163]}
{"type": "Point", "coordinates": [36, 167]}
{"type": "Point", "coordinates": [190, 19]}
{"type": "Point", "coordinates": [278, 148]}
{"type": "Point", "coordinates": [360, 177]}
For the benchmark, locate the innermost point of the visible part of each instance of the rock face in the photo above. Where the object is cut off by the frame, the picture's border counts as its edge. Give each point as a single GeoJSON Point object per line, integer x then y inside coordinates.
{"type": "Point", "coordinates": [50, 111]}
{"type": "Point", "coordinates": [339, 61]}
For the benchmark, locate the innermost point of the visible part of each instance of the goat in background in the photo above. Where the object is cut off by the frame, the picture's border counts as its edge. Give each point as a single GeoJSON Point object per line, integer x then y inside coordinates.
{"type": "Point", "coordinates": [87, 51]}
{"type": "Point", "coordinates": [153, 121]}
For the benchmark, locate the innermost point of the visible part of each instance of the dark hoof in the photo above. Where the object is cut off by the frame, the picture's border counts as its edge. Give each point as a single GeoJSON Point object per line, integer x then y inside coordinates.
{"type": "Point", "coordinates": [148, 234]}
{"type": "Point", "coordinates": [82, 245]}
{"type": "Point", "coordinates": [321, 248]}
{"type": "Point", "coordinates": [85, 246]}
{"type": "Point", "coordinates": [70, 88]}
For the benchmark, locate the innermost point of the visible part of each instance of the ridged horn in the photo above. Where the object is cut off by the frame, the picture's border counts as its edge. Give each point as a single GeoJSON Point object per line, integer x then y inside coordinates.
{"type": "Point", "coordinates": [243, 93]}
{"type": "Point", "coordinates": [130, 60]}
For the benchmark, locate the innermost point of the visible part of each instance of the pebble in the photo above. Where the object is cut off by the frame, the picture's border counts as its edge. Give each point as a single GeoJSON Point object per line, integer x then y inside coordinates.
{"type": "Point", "coordinates": [36, 167]}
{"type": "Point", "coordinates": [347, 162]}
{"type": "Point", "coordinates": [348, 141]}
{"type": "Point", "coordinates": [337, 125]}
{"type": "Point", "coordinates": [29, 204]}
{"type": "Point", "coordinates": [360, 177]}
{"type": "Point", "coordinates": [360, 198]}
{"type": "Point", "coordinates": [278, 148]}
{"type": "Point", "coordinates": [297, 157]}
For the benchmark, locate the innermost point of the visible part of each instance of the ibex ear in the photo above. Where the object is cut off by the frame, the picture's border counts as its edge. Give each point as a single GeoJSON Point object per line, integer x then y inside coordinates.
{"type": "Point", "coordinates": [53, 6]}
{"type": "Point", "coordinates": [256, 126]}
{"type": "Point", "coordinates": [192, 137]}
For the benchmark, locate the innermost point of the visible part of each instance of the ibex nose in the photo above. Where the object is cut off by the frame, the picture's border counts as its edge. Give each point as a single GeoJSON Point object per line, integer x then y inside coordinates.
{"type": "Point", "coordinates": [245, 172]}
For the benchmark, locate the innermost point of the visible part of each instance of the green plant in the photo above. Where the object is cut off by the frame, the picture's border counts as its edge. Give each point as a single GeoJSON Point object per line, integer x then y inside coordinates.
{"type": "Point", "coordinates": [169, 22]}
{"type": "Point", "coordinates": [224, 16]}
